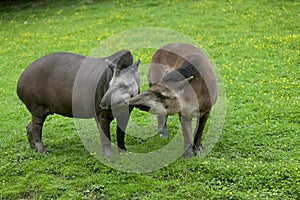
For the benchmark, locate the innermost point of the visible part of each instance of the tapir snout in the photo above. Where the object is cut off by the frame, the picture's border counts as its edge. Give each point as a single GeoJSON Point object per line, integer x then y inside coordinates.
{"type": "Point", "coordinates": [123, 86]}
{"type": "Point", "coordinates": [163, 98]}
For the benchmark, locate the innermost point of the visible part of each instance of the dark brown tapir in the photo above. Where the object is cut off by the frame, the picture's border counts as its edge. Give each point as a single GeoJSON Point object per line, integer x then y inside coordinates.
{"type": "Point", "coordinates": [77, 86]}
{"type": "Point", "coordinates": [181, 80]}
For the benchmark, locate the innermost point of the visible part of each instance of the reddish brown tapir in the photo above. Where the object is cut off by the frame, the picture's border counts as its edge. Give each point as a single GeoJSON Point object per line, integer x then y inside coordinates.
{"type": "Point", "coordinates": [181, 80]}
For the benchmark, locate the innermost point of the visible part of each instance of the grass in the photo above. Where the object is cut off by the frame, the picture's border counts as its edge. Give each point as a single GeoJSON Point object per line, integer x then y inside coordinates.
{"type": "Point", "coordinates": [254, 44]}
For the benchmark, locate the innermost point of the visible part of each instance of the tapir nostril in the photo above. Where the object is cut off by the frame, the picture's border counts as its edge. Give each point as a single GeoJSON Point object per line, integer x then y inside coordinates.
{"type": "Point", "coordinates": [126, 101]}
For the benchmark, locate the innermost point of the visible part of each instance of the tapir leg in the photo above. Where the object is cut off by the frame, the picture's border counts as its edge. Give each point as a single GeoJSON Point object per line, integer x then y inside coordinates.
{"type": "Point", "coordinates": [120, 140]}
{"type": "Point", "coordinates": [34, 133]}
{"type": "Point", "coordinates": [122, 121]}
{"type": "Point", "coordinates": [186, 127]}
{"type": "Point", "coordinates": [29, 135]}
{"type": "Point", "coordinates": [162, 126]}
{"type": "Point", "coordinates": [201, 121]}
{"type": "Point", "coordinates": [104, 130]}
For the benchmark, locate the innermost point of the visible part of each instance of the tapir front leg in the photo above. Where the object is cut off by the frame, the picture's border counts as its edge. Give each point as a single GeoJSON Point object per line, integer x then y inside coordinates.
{"type": "Point", "coordinates": [122, 121]}
{"type": "Point", "coordinates": [186, 127]}
{"type": "Point", "coordinates": [104, 130]}
{"type": "Point", "coordinates": [162, 126]}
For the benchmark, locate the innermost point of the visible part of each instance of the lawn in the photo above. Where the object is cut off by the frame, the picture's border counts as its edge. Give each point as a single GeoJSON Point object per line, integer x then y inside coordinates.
{"type": "Point", "coordinates": [255, 46]}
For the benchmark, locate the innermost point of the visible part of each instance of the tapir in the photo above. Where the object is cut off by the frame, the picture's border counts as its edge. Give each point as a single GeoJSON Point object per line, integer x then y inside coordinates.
{"type": "Point", "coordinates": [76, 86]}
{"type": "Point", "coordinates": [181, 81]}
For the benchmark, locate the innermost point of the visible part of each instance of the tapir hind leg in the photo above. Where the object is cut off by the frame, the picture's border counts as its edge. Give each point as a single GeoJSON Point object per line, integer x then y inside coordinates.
{"type": "Point", "coordinates": [34, 132]}
{"type": "Point", "coordinates": [201, 121]}
{"type": "Point", "coordinates": [29, 135]}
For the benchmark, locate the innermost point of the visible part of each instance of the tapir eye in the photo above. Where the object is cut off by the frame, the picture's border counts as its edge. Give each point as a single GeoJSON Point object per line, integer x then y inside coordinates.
{"type": "Point", "coordinates": [162, 97]}
{"type": "Point", "coordinates": [123, 86]}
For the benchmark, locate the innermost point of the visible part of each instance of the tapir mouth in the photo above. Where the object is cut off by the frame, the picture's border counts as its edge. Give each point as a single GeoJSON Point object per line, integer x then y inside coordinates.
{"type": "Point", "coordinates": [115, 106]}
{"type": "Point", "coordinates": [143, 107]}
{"type": "Point", "coordinates": [140, 104]}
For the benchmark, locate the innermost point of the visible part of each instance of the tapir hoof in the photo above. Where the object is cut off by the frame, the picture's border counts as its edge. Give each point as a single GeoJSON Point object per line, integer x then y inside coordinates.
{"type": "Point", "coordinates": [188, 153]}
{"type": "Point", "coordinates": [39, 147]}
{"type": "Point", "coordinates": [197, 150]}
{"type": "Point", "coordinates": [163, 133]}
{"type": "Point", "coordinates": [107, 154]}
{"type": "Point", "coordinates": [122, 151]}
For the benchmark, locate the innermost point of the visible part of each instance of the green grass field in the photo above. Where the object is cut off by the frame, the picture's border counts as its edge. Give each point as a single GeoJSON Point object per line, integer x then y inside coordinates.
{"type": "Point", "coordinates": [256, 48]}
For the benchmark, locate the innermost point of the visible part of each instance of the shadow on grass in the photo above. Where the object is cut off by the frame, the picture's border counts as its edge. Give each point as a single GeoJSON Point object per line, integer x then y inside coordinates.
{"type": "Point", "coordinates": [8, 6]}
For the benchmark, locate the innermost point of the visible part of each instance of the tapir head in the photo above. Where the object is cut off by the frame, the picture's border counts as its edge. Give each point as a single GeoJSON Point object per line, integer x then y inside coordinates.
{"type": "Point", "coordinates": [123, 85]}
{"type": "Point", "coordinates": [164, 98]}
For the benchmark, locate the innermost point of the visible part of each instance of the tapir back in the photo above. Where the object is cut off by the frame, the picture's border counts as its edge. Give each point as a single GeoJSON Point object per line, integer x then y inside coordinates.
{"type": "Point", "coordinates": [49, 82]}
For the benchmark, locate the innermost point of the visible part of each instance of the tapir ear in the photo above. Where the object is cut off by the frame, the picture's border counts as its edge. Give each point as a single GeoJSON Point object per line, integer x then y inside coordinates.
{"type": "Point", "coordinates": [136, 64]}
{"type": "Point", "coordinates": [184, 83]}
{"type": "Point", "coordinates": [124, 61]}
